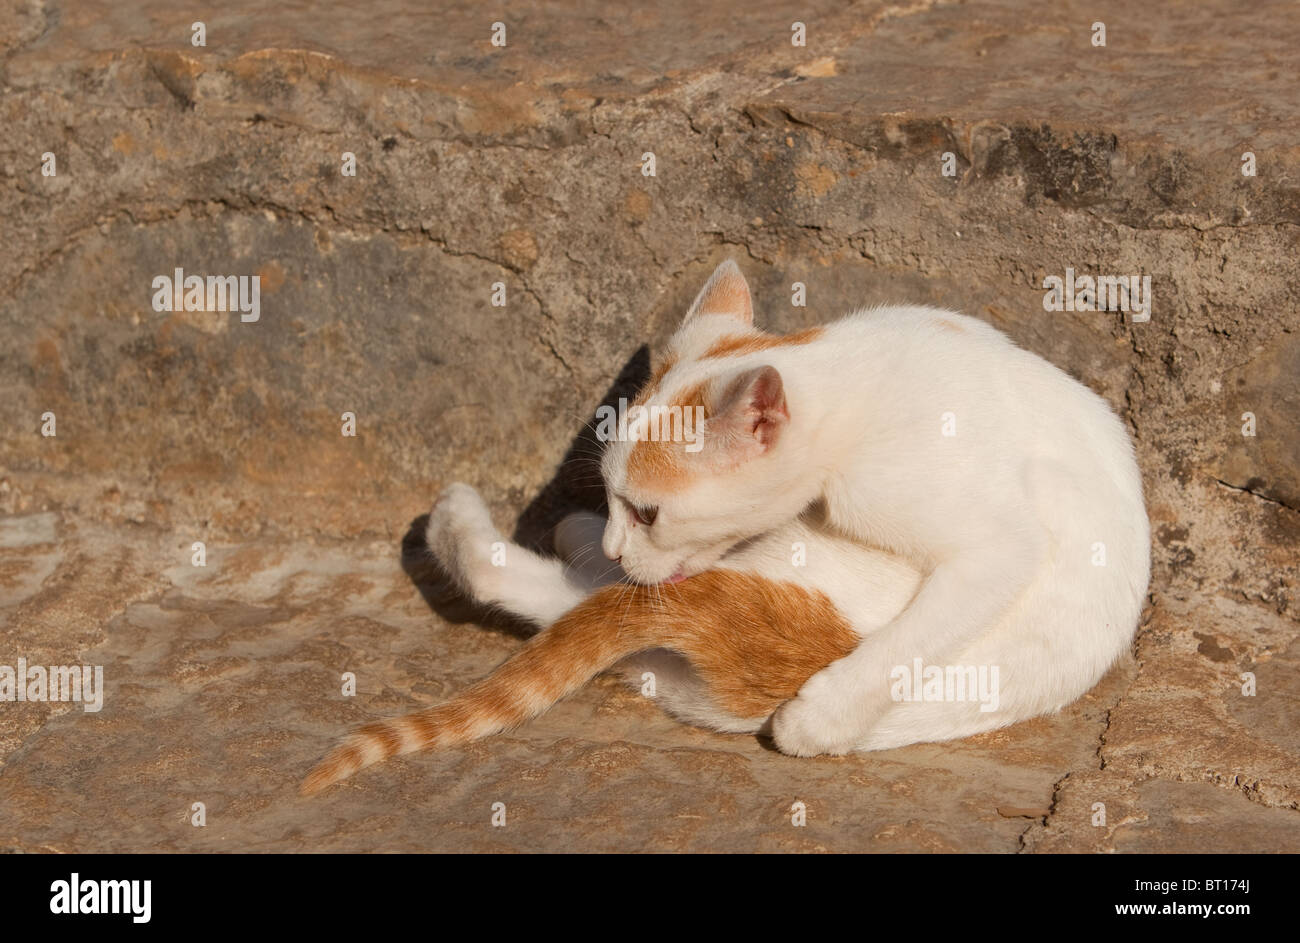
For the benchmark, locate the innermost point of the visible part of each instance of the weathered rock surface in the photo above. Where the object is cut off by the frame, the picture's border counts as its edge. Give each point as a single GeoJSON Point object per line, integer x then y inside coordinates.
{"type": "Point", "coordinates": [521, 165]}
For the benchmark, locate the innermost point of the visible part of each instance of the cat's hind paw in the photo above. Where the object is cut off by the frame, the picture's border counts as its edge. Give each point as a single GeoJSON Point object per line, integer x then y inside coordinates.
{"type": "Point", "coordinates": [460, 533]}
{"type": "Point", "coordinates": [815, 722]}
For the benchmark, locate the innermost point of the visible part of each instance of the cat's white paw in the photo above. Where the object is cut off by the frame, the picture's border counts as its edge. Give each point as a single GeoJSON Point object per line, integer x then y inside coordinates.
{"type": "Point", "coordinates": [816, 721]}
{"type": "Point", "coordinates": [462, 536]}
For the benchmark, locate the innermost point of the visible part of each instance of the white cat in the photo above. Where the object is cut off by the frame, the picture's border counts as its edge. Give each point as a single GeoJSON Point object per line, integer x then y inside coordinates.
{"type": "Point", "coordinates": [1012, 487]}
{"type": "Point", "coordinates": [901, 489]}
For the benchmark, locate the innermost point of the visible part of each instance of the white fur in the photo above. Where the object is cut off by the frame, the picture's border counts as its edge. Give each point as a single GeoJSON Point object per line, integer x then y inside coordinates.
{"type": "Point", "coordinates": [987, 538]}
{"type": "Point", "coordinates": [462, 536]}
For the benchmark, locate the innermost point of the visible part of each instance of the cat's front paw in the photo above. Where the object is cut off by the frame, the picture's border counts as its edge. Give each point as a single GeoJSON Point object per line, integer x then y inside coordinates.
{"type": "Point", "coordinates": [461, 535]}
{"type": "Point", "coordinates": [816, 721]}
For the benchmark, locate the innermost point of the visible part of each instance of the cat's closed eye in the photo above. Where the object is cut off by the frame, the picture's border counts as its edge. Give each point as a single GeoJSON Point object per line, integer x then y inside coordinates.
{"type": "Point", "coordinates": [645, 516]}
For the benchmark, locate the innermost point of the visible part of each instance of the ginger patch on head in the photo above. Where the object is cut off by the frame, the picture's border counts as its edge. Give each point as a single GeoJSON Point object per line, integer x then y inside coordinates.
{"type": "Point", "coordinates": [658, 461]}
{"type": "Point", "coordinates": [735, 345]}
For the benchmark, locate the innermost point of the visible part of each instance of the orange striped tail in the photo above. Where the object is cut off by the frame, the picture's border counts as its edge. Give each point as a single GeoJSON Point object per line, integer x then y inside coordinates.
{"type": "Point", "coordinates": [753, 641]}
{"type": "Point", "coordinates": [553, 664]}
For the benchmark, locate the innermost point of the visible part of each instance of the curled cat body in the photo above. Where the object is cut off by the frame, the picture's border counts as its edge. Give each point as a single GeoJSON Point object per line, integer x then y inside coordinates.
{"type": "Point", "coordinates": [903, 488]}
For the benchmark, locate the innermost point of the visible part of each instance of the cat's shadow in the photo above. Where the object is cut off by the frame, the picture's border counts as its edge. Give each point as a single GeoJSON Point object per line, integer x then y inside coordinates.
{"type": "Point", "coordinates": [575, 486]}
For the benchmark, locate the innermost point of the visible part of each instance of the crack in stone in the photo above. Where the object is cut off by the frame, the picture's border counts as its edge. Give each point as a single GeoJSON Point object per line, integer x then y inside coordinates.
{"type": "Point", "coordinates": [1101, 735]}
{"type": "Point", "coordinates": [523, 281]}
{"type": "Point", "coordinates": [253, 204]}
{"type": "Point", "coordinates": [1256, 494]}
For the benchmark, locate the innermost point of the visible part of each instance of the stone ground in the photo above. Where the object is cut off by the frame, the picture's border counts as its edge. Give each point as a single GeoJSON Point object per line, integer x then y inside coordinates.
{"type": "Point", "coordinates": [522, 165]}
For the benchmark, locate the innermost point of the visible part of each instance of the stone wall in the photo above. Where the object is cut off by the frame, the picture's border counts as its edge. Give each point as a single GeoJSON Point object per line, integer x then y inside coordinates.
{"type": "Point", "coordinates": [522, 165]}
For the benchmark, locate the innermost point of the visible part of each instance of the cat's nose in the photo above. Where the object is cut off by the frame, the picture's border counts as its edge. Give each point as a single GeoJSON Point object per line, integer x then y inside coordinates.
{"type": "Point", "coordinates": [612, 543]}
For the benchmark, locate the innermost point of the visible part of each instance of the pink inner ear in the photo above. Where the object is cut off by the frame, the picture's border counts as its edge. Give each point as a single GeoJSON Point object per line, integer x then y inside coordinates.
{"type": "Point", "coordinates": [753, 413]}
{"type": "Point", "coordinates": [767, 406]}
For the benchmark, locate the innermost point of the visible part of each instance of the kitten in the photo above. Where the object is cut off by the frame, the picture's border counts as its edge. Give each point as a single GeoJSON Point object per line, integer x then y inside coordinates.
{"type": "Point", "coordinates": [954, 500]}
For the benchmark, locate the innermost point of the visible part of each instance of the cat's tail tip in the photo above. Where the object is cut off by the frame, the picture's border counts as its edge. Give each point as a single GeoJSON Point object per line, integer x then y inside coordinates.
{"type": "Point", "coordinates": [376, 742]}
{"type": "Point", "coordinates": [369, 745]}
{"type": "Point", "coordinates": [340, 763]}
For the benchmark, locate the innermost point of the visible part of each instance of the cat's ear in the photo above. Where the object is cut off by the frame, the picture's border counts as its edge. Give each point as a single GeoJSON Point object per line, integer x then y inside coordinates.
{"type": "Point", "coordinates": [751, 415]}
{"type": "Point", "coordinates": [726, 293]}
